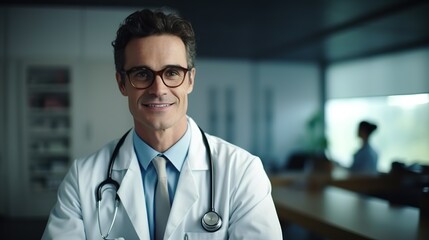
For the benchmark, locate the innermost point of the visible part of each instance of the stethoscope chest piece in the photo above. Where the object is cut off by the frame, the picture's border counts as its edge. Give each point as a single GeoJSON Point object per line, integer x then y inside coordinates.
{"type": "Point", "coordinates": [211, 221]}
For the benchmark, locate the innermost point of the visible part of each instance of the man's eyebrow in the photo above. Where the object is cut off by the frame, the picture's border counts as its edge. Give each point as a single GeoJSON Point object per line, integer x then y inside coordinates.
{"type": "Point", "coordinates": [136, 67]}
{"type": "Point", "coordinates": [147, 67]}
{"type": "Point", "coordinates": [173, 65]}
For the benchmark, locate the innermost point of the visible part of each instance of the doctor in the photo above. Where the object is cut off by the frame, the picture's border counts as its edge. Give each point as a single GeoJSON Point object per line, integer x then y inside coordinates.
{"type": "Point", "coordinates": [160, 178]}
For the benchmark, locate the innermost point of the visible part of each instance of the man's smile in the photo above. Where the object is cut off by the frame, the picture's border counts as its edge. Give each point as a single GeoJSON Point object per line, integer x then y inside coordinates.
{"type": "Point", "coordinates": [157, 105]}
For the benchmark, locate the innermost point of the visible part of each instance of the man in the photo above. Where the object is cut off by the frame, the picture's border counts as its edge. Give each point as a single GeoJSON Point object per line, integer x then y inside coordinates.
{"type": "Point", "coordinates": [162, 166]}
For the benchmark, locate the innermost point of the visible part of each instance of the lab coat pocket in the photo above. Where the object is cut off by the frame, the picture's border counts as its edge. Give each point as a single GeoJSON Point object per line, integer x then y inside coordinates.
{"type": "Point", "coordinates": [206, 235]}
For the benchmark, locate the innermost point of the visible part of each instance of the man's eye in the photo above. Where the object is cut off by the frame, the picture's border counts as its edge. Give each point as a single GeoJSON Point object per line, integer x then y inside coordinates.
{"type": "Point", "coordinates": [143, 74]}
{"type": "Point", "coordinates": [171, 72]}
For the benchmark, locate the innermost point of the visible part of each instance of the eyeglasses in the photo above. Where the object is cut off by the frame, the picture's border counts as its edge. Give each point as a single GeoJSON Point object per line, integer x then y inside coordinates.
{"type": "Point", "coordinates": [143, 77]}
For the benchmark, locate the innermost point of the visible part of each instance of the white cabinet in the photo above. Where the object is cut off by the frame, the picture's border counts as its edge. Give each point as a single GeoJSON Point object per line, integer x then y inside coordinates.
{"type": "Point", "coordinates": [39, 131]}
{"type": "Point", "coordinates": [100, 112]}
{"type": "Point", "coordinates": [60, 98]}
{"type": "Point", "coordinates": [99, 30]}
{"type": "Point", "coordinates": [47, 125]}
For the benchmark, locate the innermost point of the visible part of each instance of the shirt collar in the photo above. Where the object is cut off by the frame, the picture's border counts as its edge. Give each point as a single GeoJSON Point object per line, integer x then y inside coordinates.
{"type": "Point", "coordinates": [176, 154]}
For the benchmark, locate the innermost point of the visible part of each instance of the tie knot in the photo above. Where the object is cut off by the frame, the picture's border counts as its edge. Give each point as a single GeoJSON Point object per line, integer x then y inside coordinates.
{"type": "Point", "coordinates": [159, 162]}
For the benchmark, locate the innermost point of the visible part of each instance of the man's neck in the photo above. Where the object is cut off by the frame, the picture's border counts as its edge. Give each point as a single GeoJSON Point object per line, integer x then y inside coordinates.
{"type": "Point", "coordinates": [161, 139]}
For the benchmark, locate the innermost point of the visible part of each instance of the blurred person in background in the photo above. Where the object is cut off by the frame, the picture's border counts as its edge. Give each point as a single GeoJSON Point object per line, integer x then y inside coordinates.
{"type": "Point", "coordinates": [366, 158]}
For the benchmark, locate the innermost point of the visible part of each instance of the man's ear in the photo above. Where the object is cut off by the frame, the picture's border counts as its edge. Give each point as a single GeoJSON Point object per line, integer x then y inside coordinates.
{"type": "Point", "coordinates": [191, 79]}
{"type": "Point", "coordinates": [121, 84]}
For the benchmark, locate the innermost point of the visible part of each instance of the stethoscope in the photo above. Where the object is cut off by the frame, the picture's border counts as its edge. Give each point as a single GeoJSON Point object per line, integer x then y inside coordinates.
{"type": "Point", "coordinates": [211, 220]}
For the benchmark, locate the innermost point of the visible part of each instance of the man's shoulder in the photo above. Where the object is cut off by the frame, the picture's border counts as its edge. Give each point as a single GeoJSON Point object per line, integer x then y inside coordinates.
{"type": "Point", "coordinates": [227, 153]}
{"type": "Point", "coordinates": [222, 144]}
{"type": "Point", "coordinates": [101, 155]}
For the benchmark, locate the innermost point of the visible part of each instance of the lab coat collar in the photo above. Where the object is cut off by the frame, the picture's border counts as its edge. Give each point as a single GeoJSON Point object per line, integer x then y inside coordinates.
{"type": "Point", "coordinates": [127, 154]}
{"type": "Point", "coordinates": [197, 156]}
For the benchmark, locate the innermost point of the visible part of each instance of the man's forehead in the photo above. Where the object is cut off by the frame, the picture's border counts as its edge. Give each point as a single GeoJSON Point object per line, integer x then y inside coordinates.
{"type": "Point", "coordinates": [156, 51]}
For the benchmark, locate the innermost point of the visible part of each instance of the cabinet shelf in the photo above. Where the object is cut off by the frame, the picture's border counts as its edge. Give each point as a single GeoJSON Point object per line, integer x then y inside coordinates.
{"type": "Point", "coordinates": [49, 112]}
{"type": "Point", "coordinates": [42, 173]}
{"type": "Point", "coordinates": [45, 154]}
{"type": "Point", "coordinates": [48, 88]}
{"type": "Point", "coordinates": [44, 132]}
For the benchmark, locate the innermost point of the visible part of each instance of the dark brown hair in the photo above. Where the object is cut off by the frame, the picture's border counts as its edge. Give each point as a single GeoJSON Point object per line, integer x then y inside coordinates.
{"type": "Point", "coordinates": [146, 23]}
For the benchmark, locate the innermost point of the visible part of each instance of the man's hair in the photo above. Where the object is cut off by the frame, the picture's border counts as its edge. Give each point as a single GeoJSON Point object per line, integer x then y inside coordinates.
{"type": "Point", "coordinates": [146, 23]}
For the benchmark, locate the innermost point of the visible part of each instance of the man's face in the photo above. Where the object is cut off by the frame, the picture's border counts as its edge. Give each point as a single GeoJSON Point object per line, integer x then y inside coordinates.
{"type": "Point", "coordinates": [158, 107]}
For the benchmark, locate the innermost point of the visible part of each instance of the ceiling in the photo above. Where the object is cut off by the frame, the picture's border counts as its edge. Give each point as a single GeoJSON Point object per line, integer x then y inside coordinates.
{"type": "Point", "coordinates": [306, 30]}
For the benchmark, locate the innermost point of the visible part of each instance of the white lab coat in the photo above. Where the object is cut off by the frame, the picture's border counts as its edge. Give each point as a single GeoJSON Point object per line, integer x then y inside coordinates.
{"type": "Point", "coordinates": [242, 196]}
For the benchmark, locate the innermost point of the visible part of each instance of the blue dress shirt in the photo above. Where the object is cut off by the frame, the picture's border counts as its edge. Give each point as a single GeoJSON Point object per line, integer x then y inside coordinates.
{"type": "Point", "coordinates": [175, 155]}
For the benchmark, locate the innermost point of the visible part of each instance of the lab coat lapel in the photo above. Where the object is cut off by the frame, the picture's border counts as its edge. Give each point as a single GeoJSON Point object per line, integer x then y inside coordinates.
{"type": "Point", "coordinates": [187, 188]}
{"type": "Point", "coordinates": [186, 195]}
{"type": "Point", "coordinates": [131, 189]}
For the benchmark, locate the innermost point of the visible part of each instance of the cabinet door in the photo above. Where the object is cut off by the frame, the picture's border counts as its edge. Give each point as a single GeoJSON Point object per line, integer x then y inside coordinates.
{"type": "Point", "coordinates": [43, 32]}
{"type": "Point", "coordinates": [100, 113]}
{"type": "Point", "coordinates": [44, 124]}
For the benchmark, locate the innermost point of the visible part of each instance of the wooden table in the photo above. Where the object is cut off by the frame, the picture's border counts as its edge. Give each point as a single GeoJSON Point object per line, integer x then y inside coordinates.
{"type": "Point", "coordinates": [341, 214]}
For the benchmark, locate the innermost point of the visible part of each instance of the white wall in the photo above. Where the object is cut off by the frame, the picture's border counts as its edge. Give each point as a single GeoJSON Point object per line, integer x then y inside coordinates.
{"type": "Point", "coordinates": [399, 73]}
{"type": "Point", "coordinates": [260, 106]}
{"type": "Point", "coordinates": [296, 97]}
{"type": "Point", "coordinates": [219, 76]}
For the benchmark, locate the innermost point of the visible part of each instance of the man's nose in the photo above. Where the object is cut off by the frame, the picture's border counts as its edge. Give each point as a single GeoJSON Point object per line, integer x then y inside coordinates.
{"type": "Point", "coordinates": [158, 84]}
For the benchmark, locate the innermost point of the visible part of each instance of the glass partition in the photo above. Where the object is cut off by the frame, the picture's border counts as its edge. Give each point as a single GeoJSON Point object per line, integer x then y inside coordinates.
{"type": "Point", "coordinates": [402, 133]}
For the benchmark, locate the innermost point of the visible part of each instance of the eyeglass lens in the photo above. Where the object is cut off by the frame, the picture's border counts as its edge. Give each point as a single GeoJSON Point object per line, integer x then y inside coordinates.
{"type": "Point", "coordinates": [143, 77]}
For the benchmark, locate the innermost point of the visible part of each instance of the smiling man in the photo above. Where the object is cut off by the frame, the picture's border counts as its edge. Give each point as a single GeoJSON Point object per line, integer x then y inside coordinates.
{"type": "Point", "coordinates": [165, 178]}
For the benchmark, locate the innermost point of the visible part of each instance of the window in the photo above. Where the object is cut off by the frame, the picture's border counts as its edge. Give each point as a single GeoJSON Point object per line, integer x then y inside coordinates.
{"type": "Point", "coordinates": [402, 133]}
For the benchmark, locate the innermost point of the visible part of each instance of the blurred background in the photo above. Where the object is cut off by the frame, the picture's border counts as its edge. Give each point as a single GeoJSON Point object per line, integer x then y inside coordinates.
{"type": "Point", "coordinates": [278, 78]}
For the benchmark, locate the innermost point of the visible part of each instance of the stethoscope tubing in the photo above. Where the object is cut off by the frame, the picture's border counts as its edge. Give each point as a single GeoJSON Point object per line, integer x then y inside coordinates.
{"type": "Point", "coordinates": [210, 227]}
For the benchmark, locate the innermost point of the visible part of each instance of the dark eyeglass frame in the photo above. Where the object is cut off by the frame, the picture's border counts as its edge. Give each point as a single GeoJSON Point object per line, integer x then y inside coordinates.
{"type": "Point", "coordinates": [155, 73]}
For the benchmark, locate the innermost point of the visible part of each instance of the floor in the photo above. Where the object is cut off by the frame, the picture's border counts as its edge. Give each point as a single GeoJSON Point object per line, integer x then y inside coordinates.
{"type": "Point", "coordinates": [28, 229]}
